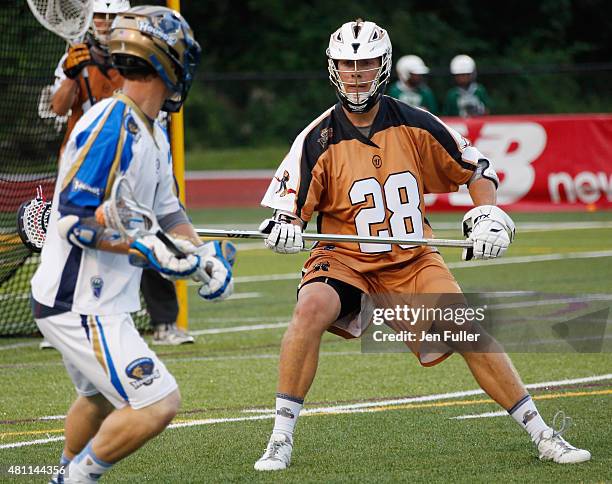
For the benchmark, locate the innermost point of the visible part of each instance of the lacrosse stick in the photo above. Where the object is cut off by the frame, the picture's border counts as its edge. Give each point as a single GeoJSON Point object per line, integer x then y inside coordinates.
{"type": "Point", "coordinates": [32, 221]}
{"type": "Point", "coordinates": [124, 213]}
{"type": "Point", "coordinates": [69, 19]}
{"type": "Point", "coordinates": [254, 234]}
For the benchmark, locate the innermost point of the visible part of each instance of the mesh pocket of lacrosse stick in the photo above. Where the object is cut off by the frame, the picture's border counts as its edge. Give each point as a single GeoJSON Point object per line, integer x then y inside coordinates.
{"type": "Point", "coordinates": [32, 221]}
{"type": "Point", "coordinates": [69, 19]}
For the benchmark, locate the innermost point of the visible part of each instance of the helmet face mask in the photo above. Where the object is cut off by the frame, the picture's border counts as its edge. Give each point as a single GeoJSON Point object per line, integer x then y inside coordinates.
{"type": "Point", "coordinates": [161, 38]}
{"type": "Point", "coordinates": [359, 42]}
{"type": "Point", "coordinates": [357, 84]}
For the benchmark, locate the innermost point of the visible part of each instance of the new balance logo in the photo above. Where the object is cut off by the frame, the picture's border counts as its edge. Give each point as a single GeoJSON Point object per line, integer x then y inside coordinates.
{"type": "Point", "coordinates": [285, 412]}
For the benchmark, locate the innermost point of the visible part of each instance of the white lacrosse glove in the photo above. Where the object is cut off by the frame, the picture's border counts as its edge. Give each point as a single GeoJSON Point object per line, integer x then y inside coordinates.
{"type": "Point", "coordinates": [150, 252]}
{"type": "Point", "coordinates": [215, 272]}
{"type": "Point", "coordinates": [283, 237]}
{"type": "Point", "coordinates": [490, 229]}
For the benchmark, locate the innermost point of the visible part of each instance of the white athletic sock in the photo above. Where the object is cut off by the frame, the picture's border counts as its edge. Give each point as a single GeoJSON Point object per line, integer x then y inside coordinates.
{"type": "Point", "coordinates": [527, 416]}
{"type": "Point", "coordinates": [87, 467]}
{"type": "Point", "coordinates": [287, 411]}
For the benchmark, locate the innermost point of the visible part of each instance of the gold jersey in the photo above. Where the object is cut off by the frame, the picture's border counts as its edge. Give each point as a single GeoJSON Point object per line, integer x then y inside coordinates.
{"type": "Point", "coordinates": [371, 186]}
{"type": "Point", "coordinates": [102, 83]}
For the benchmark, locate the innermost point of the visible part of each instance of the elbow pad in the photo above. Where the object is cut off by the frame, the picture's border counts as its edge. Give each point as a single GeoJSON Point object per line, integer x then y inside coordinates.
{"type": "Point", "coordinates": [484, 168]}
{"type": "Point", "coordinates": [71, 228]}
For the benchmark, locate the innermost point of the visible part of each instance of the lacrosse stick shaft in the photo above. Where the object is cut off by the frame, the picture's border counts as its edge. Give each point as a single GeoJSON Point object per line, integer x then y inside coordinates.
{"type": "Point", "coordinates": [253, 234]}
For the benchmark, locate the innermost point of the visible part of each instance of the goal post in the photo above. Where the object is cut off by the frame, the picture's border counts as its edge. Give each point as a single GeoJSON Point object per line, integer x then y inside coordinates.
{"type": "Point", "coordinates": [177, 144]}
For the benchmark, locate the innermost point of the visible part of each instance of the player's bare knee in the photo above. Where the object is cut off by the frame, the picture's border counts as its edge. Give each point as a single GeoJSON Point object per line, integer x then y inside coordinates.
{"type": "Point", "coordinates": [169, 407]}
{"type": "Point", "coordinates": [309, 318]}
{"type": "Point", "coordinates": [154, 418]}
{"type": "Point", "coordinates": [317, 307]}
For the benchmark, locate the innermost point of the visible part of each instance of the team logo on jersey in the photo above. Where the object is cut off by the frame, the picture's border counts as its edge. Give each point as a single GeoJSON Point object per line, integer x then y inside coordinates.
{"type": "Point", "coordinates": [96, 286]}
{"type": "Point", "coordinates": [377, 161]}
{"type": "Point", "coordinates": [283, 190]}
{"type": "Point", "coordinates": [131, 125]}
{"type": "Point", "coordinates": [321, 266]}
{"type": "Point", "coordinates": [325, 136]}
{"type": "Point", "coordinates": [78, 185]}
{"type": "Point", "coordinates": [143, 371]}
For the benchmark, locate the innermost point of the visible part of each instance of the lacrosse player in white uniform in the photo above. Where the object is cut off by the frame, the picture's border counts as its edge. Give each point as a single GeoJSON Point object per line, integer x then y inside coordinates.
{"type": "Point", "coordinates": [87, 285]}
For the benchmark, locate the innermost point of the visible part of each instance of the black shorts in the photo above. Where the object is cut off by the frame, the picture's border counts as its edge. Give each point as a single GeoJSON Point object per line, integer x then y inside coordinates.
{"type": "Point", "coordinates": [350, 296]}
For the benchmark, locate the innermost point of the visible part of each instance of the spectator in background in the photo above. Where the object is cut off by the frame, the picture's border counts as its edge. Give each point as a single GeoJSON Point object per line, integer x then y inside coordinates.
{"type": "Point", "coordinates": [410, 88]}
{"type": "Point", "coordinates": [468, 98]}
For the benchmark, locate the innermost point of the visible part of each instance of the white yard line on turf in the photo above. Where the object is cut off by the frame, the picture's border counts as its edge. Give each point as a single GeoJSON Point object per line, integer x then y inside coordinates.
{"type": "Point", "coordinates": [502, 413]}
{"type": "Point", "coordinates": [31, 442]}
{"type": "Point", "coordinates": [530, 258]}
{"type": "Point", "coordinates": [248, 319]}
{"type": "Point", "coordinates": [238, 329]}
{"type": "Point", "coordinates": [17, 345]}
{"type": "Point", "coordinates": [439, 396]}
{"type": "Point", "coordinates": [245, 295]}
{"type": "Point", "coordinates": [362, 407]}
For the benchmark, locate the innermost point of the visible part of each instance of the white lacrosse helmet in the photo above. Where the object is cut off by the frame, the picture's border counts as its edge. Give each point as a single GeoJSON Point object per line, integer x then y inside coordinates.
{"type": "Point", "coordinates": [410, 64]}
{"type": "Point", "coordinates": [355, 41]}
{"type": "Point", "coordinates": [462, 64]}
{"type": "Point", "coordinates": [111, 6]}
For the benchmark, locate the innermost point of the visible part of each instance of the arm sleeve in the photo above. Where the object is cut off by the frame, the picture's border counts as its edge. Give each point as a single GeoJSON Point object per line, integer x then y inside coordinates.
{"type": "Point", "coordinates": [168, 222]}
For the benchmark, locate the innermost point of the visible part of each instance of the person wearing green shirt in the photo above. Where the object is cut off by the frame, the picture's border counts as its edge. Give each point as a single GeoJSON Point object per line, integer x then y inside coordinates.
{"type": "Point", "coordinates": [468, 98]}
{"type": "Point", "coordinates": [410, 87]}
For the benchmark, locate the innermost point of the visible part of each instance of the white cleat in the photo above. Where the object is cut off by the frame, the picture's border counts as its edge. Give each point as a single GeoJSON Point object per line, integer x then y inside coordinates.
{"type": "Point", "coordinates": [170, 335]}
{"type": "Point", "coordinates": [552, 446]}
{"type": "Point", "coordinates": [277, 455]}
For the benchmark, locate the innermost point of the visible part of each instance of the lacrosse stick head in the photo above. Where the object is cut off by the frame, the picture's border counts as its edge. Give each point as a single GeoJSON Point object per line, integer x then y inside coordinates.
{"type": "Point", "coordinates": [70, 19]}
{"type": "Point", "coordinates": [125, 214]}
{"type": "Point", "coordinates": [32, 221]}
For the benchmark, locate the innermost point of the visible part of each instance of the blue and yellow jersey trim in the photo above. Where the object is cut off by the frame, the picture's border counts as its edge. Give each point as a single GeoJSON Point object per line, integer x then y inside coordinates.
{"type": "Point", "coordinates": [104, 148]}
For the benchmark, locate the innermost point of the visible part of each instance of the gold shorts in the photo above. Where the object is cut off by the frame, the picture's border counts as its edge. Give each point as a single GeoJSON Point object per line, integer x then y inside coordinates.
{"type": "Point", "coordinates": [427, 274]}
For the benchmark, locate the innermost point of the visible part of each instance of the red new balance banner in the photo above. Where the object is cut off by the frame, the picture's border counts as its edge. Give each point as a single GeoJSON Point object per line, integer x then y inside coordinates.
{"type": "Point", "coordinates": [556, 162]}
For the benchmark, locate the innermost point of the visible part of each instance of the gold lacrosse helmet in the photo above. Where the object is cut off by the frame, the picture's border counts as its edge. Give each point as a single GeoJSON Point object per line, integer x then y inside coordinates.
{"type": "Point", "coordinates": [160, 38]}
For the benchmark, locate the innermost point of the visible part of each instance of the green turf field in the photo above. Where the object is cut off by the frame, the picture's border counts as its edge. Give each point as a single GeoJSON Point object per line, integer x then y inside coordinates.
{"type": "Point", "coordinates": [244, 158]}
{"type": "Point", "coordinates": [228, 379]}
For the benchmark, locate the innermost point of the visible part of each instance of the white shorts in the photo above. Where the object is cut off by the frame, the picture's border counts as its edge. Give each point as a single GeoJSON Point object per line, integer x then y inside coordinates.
{"type": "Point", "coordinates": [106, 354]}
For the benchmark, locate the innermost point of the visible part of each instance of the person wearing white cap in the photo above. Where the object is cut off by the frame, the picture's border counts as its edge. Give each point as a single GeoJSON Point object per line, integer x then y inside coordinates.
{"type": "Point", "coordinates": [410, 86]}
{"type": "Point", "coordinates": [467, 98]}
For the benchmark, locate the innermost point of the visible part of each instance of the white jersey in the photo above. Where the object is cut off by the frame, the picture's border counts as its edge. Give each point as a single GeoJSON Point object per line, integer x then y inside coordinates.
{"type": "Point", "coordinates": [113, 137]}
